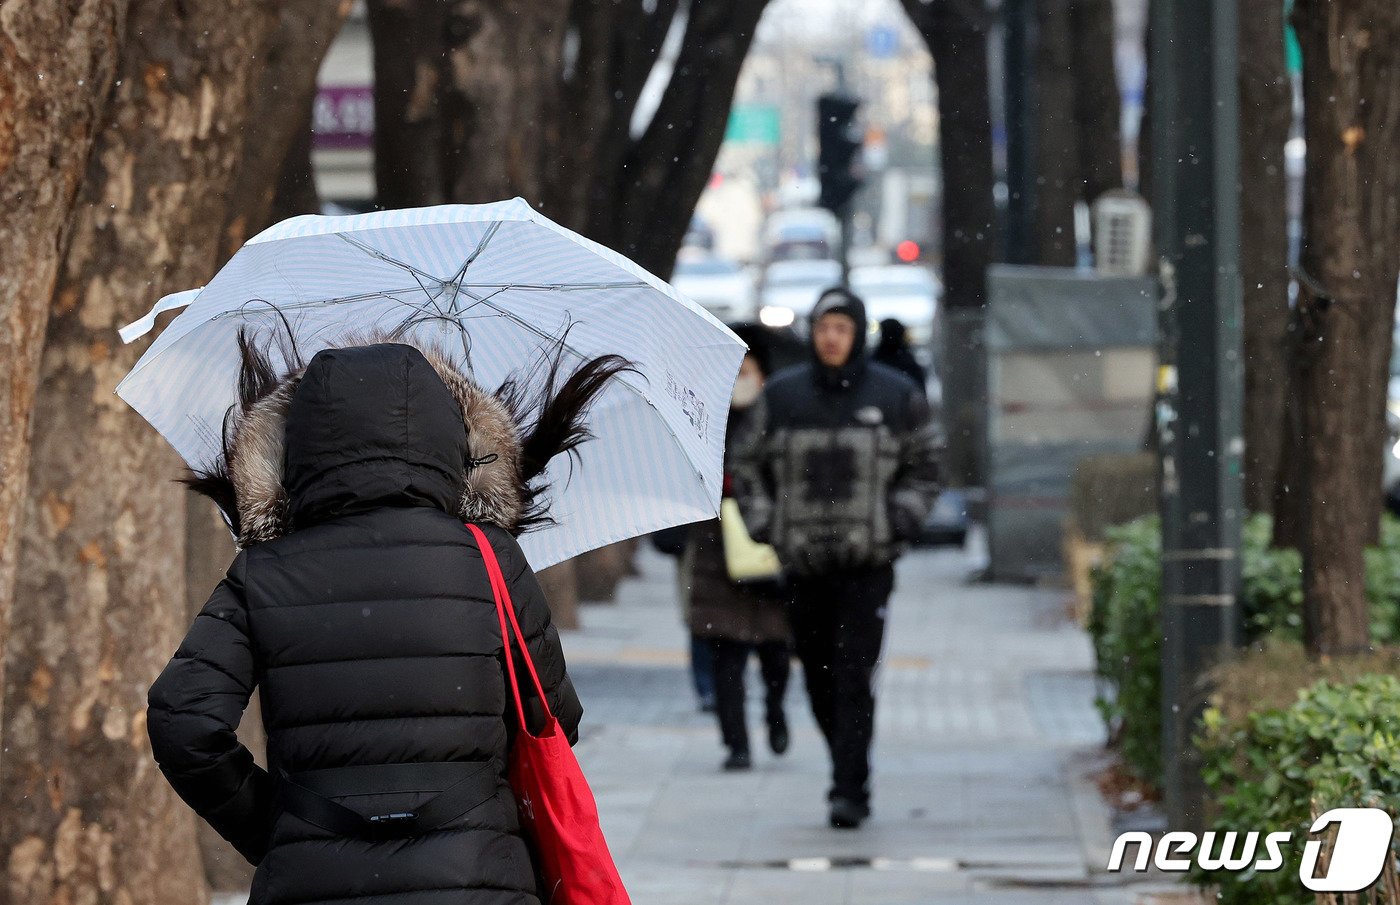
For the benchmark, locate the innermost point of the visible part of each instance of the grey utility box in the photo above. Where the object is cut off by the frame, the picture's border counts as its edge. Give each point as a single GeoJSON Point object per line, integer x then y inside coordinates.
{"type": "Point", "coordinates": [1070, 362]}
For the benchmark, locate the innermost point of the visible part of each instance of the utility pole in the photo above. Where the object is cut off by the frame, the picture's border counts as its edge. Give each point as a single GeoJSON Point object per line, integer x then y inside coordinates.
{"type": "Point", "coordinates": [1196, 225]}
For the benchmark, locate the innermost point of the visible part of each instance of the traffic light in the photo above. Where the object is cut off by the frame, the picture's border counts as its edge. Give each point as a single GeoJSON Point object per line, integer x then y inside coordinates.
{"type": "Point", "coordinates": [837, 164]}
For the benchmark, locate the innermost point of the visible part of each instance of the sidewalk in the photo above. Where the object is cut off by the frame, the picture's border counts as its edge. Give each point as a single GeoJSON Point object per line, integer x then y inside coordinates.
{"type": "Point", "coordinates": [985, 731]}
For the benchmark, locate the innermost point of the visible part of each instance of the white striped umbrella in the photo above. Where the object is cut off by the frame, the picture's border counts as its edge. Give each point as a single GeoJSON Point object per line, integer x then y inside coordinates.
{"type": "Point", "coordinates": [503, 281]}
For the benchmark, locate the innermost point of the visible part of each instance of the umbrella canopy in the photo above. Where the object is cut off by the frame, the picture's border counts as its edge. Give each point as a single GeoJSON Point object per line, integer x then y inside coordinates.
{"type": "Point", "coordinates": [502, 282]}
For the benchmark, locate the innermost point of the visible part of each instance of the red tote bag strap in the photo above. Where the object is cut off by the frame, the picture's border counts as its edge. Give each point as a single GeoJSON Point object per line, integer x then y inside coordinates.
{"type": "Point", "coordinates": [505, 609]}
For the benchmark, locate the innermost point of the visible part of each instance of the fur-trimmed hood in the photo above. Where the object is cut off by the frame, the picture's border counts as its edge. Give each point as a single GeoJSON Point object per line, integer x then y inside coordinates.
{"type": "Point", "coordinates": [389, 422]}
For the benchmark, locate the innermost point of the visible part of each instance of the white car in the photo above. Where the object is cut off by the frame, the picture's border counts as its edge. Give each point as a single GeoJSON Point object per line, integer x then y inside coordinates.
{"type": "Point", "coordinates": [721, 287]}
{"type": "Point", "coordinates": [791, 288]}
{"type": "Point", "coordinates": [907, 292]}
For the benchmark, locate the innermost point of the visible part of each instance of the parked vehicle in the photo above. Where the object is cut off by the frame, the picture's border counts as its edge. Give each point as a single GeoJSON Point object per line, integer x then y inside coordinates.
{"type": "Point", "coordinates": [791, 288]}
{"type": "Point", "coordinates": [805, 233]}
{"type": "Point", "coordinates": [720, 286]}
{"type": "Point", "coordinates": [908, 292]}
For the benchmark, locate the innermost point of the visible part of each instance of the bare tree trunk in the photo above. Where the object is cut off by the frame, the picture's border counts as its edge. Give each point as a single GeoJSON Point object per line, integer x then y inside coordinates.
{"type": "Point", "coordinates": [956, 34]}
{"type": "Point", "coordinates": [409, 49]}
{"type": "Point", "coordinates": [296, 179]}
{"type": "Point", "coordinates": [1057, 134]}
{"type": "Point", "coordinates": [1079, 150]}
{"type": "Point", "coordinates": [1351, 93]}
{"type": "Point", "coordinates": [1098, 106]}
{"type": "Point", "coordinates": [46, 131]}
{"type": "Point", "coordinates": [618, 44]}
{"type": "Point", "coordinates": [88, 816]}
{"type": "Point", "coordinates": [503, 68]}
{"type": "Point", "coordinates": [666, 169]}
{"type": "Point", "coordinates": [1266, 112]}
{"type": "Point", "coordinates": [279, 118]}
{"type": "Point", "coordinates": [560, 585]}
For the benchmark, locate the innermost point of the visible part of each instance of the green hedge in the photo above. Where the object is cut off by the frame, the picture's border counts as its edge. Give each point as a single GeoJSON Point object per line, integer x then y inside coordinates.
{"type": "Point", "coordinates": [1126, 624]}
{"type": "Point", "coordinates": [1337, 746]}
{"type": "Point", "coordinates": [1126, 627]}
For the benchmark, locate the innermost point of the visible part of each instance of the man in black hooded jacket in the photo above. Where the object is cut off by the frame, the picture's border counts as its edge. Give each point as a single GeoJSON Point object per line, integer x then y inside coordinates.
{"type": "Point", "coordinates": [838, 474]}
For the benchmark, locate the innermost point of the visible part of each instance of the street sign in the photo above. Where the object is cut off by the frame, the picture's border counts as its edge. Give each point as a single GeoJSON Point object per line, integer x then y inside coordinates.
{"type": "Point", "coordinates": [882, 42]}
{"type": "Point", "coordinates": [342, 117]}
{"type": "Point", "coordinates": [757, 124]}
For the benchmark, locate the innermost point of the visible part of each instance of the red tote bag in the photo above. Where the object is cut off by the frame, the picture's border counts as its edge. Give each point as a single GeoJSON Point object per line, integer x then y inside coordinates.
{"type": "Point", "coordinates": [557, 808]}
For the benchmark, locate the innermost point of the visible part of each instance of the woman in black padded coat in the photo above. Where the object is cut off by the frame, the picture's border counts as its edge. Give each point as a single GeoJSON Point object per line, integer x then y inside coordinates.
{"type": "Point", "coordinates": [359, 604]}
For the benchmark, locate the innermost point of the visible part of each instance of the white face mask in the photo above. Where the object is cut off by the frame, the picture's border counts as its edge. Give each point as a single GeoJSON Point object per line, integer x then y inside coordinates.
{"type": "Point", "coordinates": [746, 390]}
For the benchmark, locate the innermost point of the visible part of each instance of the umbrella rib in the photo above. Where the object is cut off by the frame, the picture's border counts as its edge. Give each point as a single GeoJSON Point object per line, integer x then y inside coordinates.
{"type": "Point", "coordinates": [376, 253]}
{"type": "Point", "coordinates": [557, 287]}
{"type": "Point", "coordinates": [461, 274]}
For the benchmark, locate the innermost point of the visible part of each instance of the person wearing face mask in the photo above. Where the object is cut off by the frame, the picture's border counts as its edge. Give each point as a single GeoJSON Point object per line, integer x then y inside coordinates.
{"type": "Point", "coordinates": [838, 473]}
{"type": "Point", "coordinates": [738, 621]}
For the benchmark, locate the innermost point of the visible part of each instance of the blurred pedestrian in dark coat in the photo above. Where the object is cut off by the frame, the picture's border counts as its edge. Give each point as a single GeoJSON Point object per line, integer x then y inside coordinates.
{"type": "Point", "coordinates": [893, 350]}
{"type": "Point", "coordinates": [739, 620]}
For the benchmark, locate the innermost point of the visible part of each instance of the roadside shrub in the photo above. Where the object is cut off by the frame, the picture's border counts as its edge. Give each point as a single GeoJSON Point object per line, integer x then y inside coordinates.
{"type": "Point", "coordinates": [1383, 583]}
{"type": "Point", "coordinates": [1271, 583]}
{"type": "Point", "coordinates": [1274, 767]}
{"type": "Point", "coordinates": [1126, 622]}
{"type": "Point", "coordinates": [1126, 629]}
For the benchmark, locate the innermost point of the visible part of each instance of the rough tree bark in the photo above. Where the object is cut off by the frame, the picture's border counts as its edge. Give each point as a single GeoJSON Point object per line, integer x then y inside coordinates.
{"type": "Point", "coordinates": [502, 69]}
{"type": "Point", "coordinates": [87, 815]}
{"type": "Point", "coordinates": [1266, 112]}
{"type": "Point", "coordinates": [956, 34]}
{"type": "Point", "coordinates": [1351, 97]}
{"type": "Point", "coordinates": [46, 131]}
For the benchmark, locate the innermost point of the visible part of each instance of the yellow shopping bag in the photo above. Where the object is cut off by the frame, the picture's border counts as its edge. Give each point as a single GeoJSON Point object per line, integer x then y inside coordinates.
{"type": "Point", "coordinates": [744, 558]}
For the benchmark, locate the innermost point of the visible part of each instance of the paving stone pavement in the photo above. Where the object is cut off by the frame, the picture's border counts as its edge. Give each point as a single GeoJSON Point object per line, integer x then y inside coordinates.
{"type": "Point", "coordinates": [985, 729]}
{"type": "Point", "coordinates": [985, 733]}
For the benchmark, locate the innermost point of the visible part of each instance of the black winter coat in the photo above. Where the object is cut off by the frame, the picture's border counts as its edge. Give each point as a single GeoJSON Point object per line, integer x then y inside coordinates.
{"type": "Point", "coordinates": [842, 467]}
{"type": "Point", "coordinates": [370, 628]}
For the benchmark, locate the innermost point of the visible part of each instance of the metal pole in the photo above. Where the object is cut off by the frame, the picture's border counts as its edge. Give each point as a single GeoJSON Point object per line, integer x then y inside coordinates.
{"type": "Point", "coordinates": [1196, 217]}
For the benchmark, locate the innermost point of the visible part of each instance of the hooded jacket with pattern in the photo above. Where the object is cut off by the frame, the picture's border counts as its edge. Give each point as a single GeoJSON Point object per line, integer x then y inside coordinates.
{"type": "Point", "coordinates": [360, 607]}
{"type": "Point", "coordinates": [842, 467]}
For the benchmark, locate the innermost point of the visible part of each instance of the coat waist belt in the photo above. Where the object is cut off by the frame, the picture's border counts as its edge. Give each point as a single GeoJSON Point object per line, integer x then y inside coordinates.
{"type": "Point", "coordinates": [460, 786]}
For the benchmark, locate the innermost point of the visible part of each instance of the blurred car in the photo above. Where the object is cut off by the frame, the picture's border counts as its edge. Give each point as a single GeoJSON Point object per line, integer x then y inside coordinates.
{"type": "Point", "coordinates": [791, 288]}
{"type": "Point", "coordinates": [802, 222]}
{"type": "Point", "coordinates": [948, 521]}
{"type": "Point", "coordinates": [907, 292]}
{"type": "Point", "coordinates": [699, 235]}
{"type": "Point", "coordinates": [720, 286]}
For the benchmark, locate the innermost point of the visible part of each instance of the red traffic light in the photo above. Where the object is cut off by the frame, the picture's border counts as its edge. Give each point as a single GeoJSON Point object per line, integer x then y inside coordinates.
{"type": "Point", "coordinates": [907, 251]}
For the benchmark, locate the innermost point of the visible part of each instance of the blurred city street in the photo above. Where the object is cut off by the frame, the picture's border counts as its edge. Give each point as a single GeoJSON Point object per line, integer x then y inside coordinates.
{"type": "Point", "coordinates": [986, 729]}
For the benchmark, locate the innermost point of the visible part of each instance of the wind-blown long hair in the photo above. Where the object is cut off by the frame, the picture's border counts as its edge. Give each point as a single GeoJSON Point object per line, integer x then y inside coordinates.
{"type": "Point", "coordinates": [546, 403]}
